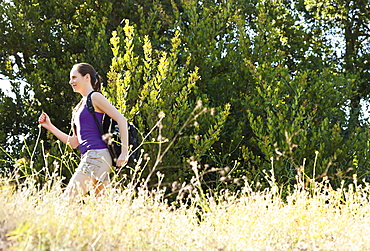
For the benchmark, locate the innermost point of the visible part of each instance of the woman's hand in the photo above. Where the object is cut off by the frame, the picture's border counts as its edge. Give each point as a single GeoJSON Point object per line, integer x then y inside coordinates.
{"type": "Point", "coordinates": [44, 120]}
{"type": "Point", "coordinates": [122, 159]}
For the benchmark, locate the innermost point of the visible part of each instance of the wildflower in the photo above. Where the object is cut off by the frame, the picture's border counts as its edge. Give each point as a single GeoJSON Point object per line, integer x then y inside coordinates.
{"type": "Point", "coordinates": [223, 179]}
{"type": "Point", "coordinates": [161, 115]}
{"type": "Point", "coordinates": [175, 186]}
{"type": "Point", "coordinates": [199, 104]}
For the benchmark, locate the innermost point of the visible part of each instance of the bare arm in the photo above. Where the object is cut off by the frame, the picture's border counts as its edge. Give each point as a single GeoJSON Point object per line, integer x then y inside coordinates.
{"type": "Point", "coordinates": [102, 105]}
{"type": "Point", "coordinates": [44, 120]}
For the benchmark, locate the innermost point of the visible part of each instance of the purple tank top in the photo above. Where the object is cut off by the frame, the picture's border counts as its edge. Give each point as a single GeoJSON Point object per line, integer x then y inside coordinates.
{"type": "Point", "coordinates": [88, 133]}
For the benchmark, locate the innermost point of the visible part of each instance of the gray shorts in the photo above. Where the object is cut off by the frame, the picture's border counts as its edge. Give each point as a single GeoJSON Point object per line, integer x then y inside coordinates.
{"type": "Point", "coordinates": [96, 164]}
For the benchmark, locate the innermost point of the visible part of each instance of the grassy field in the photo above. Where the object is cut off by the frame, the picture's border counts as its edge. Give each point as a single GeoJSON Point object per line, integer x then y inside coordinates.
{"type": "Point", "coordinates": [33, 218]}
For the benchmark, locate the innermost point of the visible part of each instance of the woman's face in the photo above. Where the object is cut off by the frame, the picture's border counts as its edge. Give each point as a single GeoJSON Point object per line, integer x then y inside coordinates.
{"type": "Point", "coordinates": [77, 81]}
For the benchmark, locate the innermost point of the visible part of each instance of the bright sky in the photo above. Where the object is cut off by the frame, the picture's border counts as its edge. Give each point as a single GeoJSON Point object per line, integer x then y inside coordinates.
{"type": "Point", "coordinates": [5, 85]}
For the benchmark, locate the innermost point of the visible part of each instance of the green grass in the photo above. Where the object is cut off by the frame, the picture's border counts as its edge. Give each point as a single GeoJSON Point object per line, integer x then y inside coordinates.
{"type": "Point", "coordinates": [33, 218]}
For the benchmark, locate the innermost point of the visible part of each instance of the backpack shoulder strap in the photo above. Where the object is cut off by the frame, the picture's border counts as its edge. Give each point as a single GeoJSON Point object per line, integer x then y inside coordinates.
{"type": "Point", "coordinates": [89, 103]}
{"type": "Point", "coordinates": [91, 109]}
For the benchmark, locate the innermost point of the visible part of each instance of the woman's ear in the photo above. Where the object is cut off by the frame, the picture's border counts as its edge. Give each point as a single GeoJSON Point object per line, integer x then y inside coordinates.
{"type": "Point", "coordinates": [87, 77]}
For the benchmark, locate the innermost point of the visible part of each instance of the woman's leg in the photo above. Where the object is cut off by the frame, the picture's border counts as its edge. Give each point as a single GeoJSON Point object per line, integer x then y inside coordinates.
{"type": "Point", "coordinates": [78, 186]}
{"type": "Point", "coordinates": [92, 174]}
{"type": "Point", "coordinates": [101, 188]}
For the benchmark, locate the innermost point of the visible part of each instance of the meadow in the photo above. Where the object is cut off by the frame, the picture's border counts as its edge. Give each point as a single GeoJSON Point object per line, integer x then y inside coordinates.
{"type": "Point", "coordinates": [35, 217]}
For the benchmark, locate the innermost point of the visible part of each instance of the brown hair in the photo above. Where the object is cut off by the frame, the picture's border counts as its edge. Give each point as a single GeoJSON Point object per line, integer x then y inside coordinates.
{"type": "Point", "coordinates": [85, 68]}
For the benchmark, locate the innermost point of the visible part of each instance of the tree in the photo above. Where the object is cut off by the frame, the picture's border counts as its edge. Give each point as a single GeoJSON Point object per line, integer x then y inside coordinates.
{"type": "Point", "coordinates": [162, 109]}
{"type": "Point", "coordinates": [300, 113]}
{"type": "Point", "coordinates": [267, 66]}
{"type": "Point", "coordinates": [348, 22]}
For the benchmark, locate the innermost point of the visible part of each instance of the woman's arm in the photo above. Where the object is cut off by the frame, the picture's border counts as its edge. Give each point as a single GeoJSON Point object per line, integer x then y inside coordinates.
{"type": "Point", "coordinates": [101, 104]}
{"type": "Point", "coordinates": [44, 120]}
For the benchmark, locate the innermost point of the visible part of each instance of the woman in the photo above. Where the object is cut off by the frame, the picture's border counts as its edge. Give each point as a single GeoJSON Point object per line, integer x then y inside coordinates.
{"type": "Point", "coordinates": [93, 170]}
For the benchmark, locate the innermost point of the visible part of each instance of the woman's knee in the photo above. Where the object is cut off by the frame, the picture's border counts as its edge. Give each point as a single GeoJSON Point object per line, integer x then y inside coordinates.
{"type": "Point", "coordinates": [80, 184]}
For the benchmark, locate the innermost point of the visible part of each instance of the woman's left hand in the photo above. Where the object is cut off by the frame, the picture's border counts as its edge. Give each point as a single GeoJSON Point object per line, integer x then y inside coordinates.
{"type": "Point", "coordinates": [122, 160]}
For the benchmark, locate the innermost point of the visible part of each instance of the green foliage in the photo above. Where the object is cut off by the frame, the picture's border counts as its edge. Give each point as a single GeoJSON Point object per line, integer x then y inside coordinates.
{"type": "Point", "coordinates": [284, 94]}
{"type": "Point", "coordinates": [296, 118]}
{"type": "Point", "coordinates": [155, 92]}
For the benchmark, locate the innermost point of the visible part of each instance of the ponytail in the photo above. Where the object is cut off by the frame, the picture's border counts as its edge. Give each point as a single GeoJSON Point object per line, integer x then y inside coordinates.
{"type": "Point", "coordinates": [97, 83]}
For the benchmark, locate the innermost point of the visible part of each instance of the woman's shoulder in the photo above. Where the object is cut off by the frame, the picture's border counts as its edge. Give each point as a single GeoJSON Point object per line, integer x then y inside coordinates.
{"type": "Point", "coordinates": [99, 101]}
{"type": "Point", "coordinates": [97, 97]}
{"type": "Point", "coordinates": [95, 94]}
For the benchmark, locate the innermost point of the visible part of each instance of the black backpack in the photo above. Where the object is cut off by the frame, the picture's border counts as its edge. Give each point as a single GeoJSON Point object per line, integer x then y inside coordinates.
{"type": "Point", "coordinates": [110, 133]}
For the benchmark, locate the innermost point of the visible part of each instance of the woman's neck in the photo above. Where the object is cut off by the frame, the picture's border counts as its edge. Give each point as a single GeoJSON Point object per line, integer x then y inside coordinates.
{"type": "Point", "coordinates": [86, 92]}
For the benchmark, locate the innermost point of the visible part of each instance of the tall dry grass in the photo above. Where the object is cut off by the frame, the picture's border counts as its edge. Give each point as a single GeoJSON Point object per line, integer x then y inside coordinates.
{"type": "Point", "coordinates": [319, 218]}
